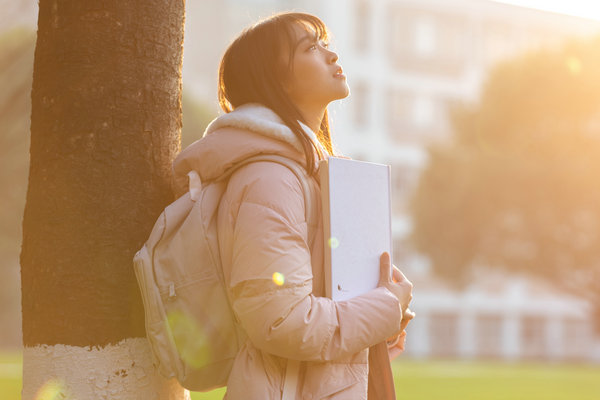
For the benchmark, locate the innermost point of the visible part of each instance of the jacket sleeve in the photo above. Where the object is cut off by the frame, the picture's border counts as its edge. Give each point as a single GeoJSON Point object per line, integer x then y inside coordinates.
{"type": "Point", "coordinates": [281, 315]}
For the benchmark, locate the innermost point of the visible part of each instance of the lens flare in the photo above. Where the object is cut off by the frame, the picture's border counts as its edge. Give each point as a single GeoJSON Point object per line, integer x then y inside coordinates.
{"type": "Point", "coordinates": [52, 390]}
{"type": "Point", "coordinates": [333, 242]}
{"type": "Point", "coordinates": [574, 65]}
{"type": "Point", "coordinates": [278, 278]}
{"type": "Point", "coordinates": [189, 338]}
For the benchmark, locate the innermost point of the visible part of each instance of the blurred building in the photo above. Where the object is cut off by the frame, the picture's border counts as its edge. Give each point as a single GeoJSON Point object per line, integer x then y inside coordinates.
{"type": "Point", "coordinates": [18, 14]}
{"type": "Point", "coordinates": [408, 62]}
{"type": "Point", "coordinates": [497, 317]}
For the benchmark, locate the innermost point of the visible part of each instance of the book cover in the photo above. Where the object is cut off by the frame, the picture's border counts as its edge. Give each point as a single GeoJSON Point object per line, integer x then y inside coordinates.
{"type": "Point", "coordinates": [357, 223]}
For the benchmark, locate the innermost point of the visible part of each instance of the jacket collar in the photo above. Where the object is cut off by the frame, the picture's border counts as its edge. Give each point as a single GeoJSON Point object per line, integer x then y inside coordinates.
{"type": "Point", "coordinates": [249, 130]}
{"type": "Point", "coordinates": [260, 119]}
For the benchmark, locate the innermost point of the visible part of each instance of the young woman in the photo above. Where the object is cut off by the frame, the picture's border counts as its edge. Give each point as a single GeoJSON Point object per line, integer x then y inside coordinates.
{"type": "Point", "coordinates": [275, 82]}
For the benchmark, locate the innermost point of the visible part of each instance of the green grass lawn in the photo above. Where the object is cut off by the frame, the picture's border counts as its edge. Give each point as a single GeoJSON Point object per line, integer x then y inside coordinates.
{"type": "Point", "coordinates": [10, 375]}
{"type": "Point", "coordinates": [432, 380]}
{"type": "Point", "coordinates": [451, 380]}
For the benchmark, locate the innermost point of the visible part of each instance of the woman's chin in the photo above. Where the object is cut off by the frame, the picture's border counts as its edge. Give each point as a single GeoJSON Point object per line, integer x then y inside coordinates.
{"type": "Point", "coordinates": [343, 93]}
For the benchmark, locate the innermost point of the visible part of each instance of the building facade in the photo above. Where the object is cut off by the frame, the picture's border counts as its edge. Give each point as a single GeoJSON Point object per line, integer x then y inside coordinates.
{"type": "Point", "coordinates": [409, 62]}
{"type": "Point", "coordinates": [500, 317]}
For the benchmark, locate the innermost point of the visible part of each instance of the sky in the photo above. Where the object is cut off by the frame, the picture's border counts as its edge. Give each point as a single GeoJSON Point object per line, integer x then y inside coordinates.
{"type": "Point", "coordinates": [580, 8]}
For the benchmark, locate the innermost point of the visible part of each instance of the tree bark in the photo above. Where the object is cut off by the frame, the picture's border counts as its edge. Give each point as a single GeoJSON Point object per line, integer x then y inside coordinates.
{"type": "Point", "coordinates": [105, 127]}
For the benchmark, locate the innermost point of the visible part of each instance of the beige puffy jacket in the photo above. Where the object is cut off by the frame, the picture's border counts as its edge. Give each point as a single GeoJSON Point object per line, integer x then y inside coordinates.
{"type": "Point", "coordinates": [263, 230]}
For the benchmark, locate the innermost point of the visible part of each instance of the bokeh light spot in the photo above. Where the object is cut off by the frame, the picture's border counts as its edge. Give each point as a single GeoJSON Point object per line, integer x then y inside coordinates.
{"type": "Point", "coordinates": [278, 278]}
{"type": "Point", "coordinates": [52, 390]}
{"type": "Point", "coordinates": [190, 339]}
{"type": "Point", "coordinates": [574, 65]}
{"type": "Point", "coordinates": [333, 242]}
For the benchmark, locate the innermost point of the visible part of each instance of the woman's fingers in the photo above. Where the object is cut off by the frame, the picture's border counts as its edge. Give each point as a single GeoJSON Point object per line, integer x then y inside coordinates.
{"type": "Point", "coordinates": [401, 289]}
{"type": "Point", "coordinates": [398, 348]}
{"type": "Point", "coordinates": [407, 316]}
{"type": "Point", "coordinates": [396, 274]}
{"type": "Point", "coordinates": [385, 265]}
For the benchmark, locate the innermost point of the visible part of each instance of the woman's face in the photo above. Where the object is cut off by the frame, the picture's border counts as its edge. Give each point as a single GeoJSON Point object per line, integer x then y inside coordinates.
{"type": "Point", "coordinates": [315, 79]}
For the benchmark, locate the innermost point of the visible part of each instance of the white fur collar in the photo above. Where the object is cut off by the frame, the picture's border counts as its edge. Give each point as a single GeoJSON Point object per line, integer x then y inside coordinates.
{"type": "Point", "coordinates": [260, 119]}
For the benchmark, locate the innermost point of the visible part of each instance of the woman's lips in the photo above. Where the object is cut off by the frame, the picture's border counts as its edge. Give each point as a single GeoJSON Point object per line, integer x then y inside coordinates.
{"type": "Point", "coordinates": [339, 74]}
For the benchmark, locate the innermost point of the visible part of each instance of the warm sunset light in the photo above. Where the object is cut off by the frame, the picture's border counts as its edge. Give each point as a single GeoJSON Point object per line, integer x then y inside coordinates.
{"type": "Point", "coordinates": [321, 199]}
{"type": "Point", "coordinates": [579, 8]}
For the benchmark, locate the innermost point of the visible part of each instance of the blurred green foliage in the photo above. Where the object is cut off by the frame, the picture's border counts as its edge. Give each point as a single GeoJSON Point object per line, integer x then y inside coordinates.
{"type": "Point", "coordinates": [516, 187]}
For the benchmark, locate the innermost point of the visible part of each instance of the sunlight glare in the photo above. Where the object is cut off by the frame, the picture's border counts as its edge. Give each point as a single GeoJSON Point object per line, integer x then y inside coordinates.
{"type": "Point", "coordinates": [278, 278]}
{"type": "Point", "coordinates": [578, 8]}
{"type": "Point", "coordinates": [52, 390]}
{"type": "Point", "coordinates": [574, 65]}
{"type": "Point", "coordinates": [189, 337]}
{"type": "Point", "coordinates": [333, 242]}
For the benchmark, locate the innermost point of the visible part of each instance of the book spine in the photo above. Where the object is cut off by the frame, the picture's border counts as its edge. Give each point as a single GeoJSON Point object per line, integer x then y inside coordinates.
{"type": "Point", "coordinates": [325, 204]}
{"type": "Point", "coordinates": [389, 197]}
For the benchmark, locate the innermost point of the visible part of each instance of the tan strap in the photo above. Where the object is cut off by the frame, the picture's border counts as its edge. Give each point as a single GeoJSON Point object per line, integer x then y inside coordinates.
{"type": "Point", "coordinates": [290, 383]}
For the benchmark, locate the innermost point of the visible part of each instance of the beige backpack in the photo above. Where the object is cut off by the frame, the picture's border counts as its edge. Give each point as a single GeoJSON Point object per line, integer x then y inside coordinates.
{"type": "Point", "coordinates": [190, 325]}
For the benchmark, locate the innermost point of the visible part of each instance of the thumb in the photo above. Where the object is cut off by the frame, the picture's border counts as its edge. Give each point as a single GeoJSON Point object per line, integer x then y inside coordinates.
{"type": "Point", "coordinates": [385, 267]}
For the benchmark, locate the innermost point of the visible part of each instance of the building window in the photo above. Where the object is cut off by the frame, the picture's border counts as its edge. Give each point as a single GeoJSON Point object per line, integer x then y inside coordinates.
{"type": "Point", "coordinates": [429, 42]}
{"type": "Point", "coordinates": [576, 337]}
{"type": "Point", "coordinates": [533, 336]}
{"type": "Point", "coordinates": [361, 31]}
{"type": "Point", "coordinates": [443, 333]}
{"type": "Point", "coordinates": [412, 114]}
{"type": "Point", "coordinates": [488, 335]}
{"type": "Point", "coordinates": [423, 112]}
{"type": "Point", "coordinates": [424, 36]}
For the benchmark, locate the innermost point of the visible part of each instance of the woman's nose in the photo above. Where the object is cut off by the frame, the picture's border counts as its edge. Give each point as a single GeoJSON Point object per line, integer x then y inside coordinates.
{"type": "Point", "coordinates": [333, 57]}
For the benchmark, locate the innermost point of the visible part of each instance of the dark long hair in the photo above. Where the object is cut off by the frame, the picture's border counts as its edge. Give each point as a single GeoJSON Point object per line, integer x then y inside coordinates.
{"type": "Point", "coordinates": [251, 72]}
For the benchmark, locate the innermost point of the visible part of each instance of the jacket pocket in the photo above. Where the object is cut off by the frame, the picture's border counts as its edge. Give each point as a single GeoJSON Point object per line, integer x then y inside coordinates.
{"type": "Point", "coordinates": [335, 381]}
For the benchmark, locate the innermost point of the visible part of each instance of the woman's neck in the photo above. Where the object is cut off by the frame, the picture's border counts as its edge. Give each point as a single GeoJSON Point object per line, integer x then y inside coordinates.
{"type": "Point", "coordinates": [313, 117]}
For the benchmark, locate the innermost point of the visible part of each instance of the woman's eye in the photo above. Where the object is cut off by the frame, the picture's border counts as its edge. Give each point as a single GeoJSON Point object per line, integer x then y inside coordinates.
{"type": "Point", "coordinates": [315, 46]}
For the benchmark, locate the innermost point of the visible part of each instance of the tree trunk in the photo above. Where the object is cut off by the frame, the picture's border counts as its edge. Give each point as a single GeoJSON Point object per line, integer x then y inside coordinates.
{"type": "Point", "coordinates": [105, 127]}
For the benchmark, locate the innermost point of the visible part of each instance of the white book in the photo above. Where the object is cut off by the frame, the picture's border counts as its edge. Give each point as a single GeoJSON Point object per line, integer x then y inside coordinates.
{"type": "Point", "coordinates": [357, 224]}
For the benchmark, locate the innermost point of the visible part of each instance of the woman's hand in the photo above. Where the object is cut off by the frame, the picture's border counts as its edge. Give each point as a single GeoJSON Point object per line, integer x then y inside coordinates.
{"type": "Point", "coordinates": [399, 286]}
{"type": "Point", "coordinates": [396, 343]}
{"type": "Point", "coordinates": [395, 281]}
